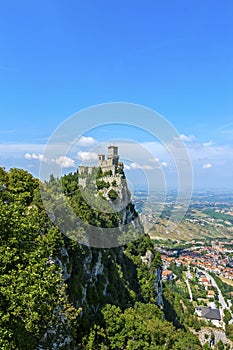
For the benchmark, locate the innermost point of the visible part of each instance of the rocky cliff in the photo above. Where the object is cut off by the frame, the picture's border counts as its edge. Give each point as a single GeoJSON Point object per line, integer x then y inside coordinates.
{"type": "Point", "coordinates": [120, 275]}
{"type": "Point", "coordinates": [54, 289]}
{"type": "Point", "coordinates": [57, 293]}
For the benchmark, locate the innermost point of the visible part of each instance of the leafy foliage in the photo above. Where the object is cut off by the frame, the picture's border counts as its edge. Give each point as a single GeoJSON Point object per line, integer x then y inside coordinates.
{"type": "Point", "coordinates": [30, 287]}
{"type": "Point", "coordinates": [114, 287]}
{"type": "Point", "coordinates": [112, 194]}
{"type": "Point", "coordinates": [138, 327]}
{"type": "Point", "coordinates": [102, 184]}
{"type": "Point", "coordinates": [225, 288]}
{"type": "Point", "coordinates": [229, 331]}
{"type": "Point", "coordinates": [177, 307]}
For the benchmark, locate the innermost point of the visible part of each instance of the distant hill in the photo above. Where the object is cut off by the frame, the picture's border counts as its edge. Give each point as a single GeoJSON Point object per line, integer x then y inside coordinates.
{"type": "Point", "coordinates": [188, 230]}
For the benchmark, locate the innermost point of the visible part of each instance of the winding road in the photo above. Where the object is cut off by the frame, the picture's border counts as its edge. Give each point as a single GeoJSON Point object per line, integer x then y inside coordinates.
{"type": "Point", "coordinates": [220, 296]}
{"type": "Point", "coordinates": [189, 276]}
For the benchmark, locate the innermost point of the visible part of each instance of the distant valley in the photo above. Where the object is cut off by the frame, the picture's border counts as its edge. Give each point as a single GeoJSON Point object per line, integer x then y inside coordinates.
{"type": "Point", "coordinates": [209, 215]}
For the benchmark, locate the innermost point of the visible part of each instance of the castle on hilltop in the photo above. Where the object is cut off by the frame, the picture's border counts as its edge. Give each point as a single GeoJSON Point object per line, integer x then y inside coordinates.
{"type": "Point", "coordinates": [110, 165]}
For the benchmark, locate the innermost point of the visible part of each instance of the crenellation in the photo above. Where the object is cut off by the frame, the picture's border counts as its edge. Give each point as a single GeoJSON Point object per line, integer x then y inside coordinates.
{"type": "Point", "coordinates": [111, 164]}
{"type": "Point", "coordinates": [112, 161]}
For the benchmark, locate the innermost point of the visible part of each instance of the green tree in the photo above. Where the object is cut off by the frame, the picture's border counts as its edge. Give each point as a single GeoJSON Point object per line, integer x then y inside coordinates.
{"type": "Point", "coordinates": [227, 316]}
{"type": "Point", "coordinates": [220, 345]}
{"type": "Point", "coordinates": [32, 295]}
{"type": "Point", "coordinates": [140, 327]}
{"type": "Point", "coordinates": [229, 331]}
{"type": "Point", "coordinates": [112, 194]}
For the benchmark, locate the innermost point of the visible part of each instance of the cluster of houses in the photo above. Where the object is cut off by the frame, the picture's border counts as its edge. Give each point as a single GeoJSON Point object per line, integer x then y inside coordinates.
{"type": "Point", "coordinates": [167, 275]}
{"type": "Point", "coordinates": [206, 283]}
{"type": "Point", "coordinates": [211, 258]}
{"type": "Point", "coordinates": [210, 313]}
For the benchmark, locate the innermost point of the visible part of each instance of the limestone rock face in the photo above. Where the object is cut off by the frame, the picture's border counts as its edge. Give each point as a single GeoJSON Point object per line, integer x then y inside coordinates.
{"type": "Point", "coordinates": [159, 286]}
{"type": "Point", "coordinates": [97, 273]}
{"type": "Point", "coordinates": [123, 193]}
{"type": "Point", "coordinates": [148, 257]}
{"type": "Point", "coordinates": [99, 276]}
{"type": "Point", "coordinates": [95, 277]}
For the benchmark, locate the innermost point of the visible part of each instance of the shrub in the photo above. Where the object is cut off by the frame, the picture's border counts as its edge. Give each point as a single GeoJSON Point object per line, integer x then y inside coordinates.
{"type": "Point", "coordinates": [112, 195]}
{"type": "Point", "coordinates": [102, 184]}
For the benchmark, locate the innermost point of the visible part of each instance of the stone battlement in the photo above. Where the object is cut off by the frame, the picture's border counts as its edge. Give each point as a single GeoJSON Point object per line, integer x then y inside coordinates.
{"type": "Point", "coordinates": [111, 164]}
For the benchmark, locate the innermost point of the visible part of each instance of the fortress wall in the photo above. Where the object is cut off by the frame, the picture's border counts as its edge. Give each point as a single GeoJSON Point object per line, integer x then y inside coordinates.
{"type": "Point", "coordinates": [110, 179]}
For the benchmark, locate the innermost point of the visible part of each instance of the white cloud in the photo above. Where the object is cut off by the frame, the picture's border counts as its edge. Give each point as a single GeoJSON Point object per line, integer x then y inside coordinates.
{"type": "Point", "coordinates": [134, 165]}
{"type": "Point", "coordinates": [127, 167]}
{"type": "Point", "coordinates": [30, 156]}
{"type": "Point", "coordinates": [18, 150]}
{"type": "Point", "coordinates": [147, 167]}
{"type": "Point", "coordinates": [208, 144]}
{"type": "Point", "coordinates": [87, 156]}
{"type": "Point", "coordinates": [154, 160]}
{"type": "Point", "coordinates": [62, 161]}
{"type": "Point", "coordinates": [203, 155]}
{"type": "Point", "coordinates": [86, 141]}
{"type": "Point", "coordinates": [207, 166]}
{"type": "Point", "coordinates": [186, 138]}
{"type": "Point", "coordinates": [65, 162]}
{"type": "Point", "coordinates": [227, 129]}
{"type": "Point", "coordinates": [210, 153]}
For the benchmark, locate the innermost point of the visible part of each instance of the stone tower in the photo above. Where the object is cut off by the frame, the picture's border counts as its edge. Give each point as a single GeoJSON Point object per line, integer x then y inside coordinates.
{"type": "Point", "coordinates": [112, 161]}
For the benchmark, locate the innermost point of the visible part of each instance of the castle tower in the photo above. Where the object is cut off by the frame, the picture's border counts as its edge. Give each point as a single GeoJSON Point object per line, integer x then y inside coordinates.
{"type": "Point", "coordinates": [108, 164]}
{"type": "Point", "coordinates": [101, 158]}
{"type": "Point", "coordinates": [112, 151]}
{"type": "Point", "coordinates": [113, 156]}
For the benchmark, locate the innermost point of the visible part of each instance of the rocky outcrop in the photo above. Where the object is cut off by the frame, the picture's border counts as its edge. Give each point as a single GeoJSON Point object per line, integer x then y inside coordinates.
{"type": "Point", "coordinates": [96, 279]}
{"type": "Point", "coordinates": [99, 276]}
{"type": "Point", "coordinates": [159, 286]}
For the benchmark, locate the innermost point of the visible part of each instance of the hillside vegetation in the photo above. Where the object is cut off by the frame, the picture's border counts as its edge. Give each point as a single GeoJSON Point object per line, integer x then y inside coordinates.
{"type": "Point", "coordinates": [187, 230]}
{"type": "Point", "coordinates": [58, 294]}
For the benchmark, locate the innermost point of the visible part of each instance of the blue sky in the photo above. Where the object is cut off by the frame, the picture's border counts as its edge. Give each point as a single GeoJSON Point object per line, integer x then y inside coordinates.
{"type": "Point", "coordinates": [175, 57]}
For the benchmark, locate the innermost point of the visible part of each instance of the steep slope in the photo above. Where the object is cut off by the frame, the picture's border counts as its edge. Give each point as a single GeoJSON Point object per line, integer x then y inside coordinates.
{"type": "Point", "coordinates": [115, 275]}
{"type": "Point", "coordinates": [56, 293]}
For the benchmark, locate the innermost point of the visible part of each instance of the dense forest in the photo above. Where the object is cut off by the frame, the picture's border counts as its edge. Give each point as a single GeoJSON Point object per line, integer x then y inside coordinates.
{"type": "Point", "coordinates": [56, 293]}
